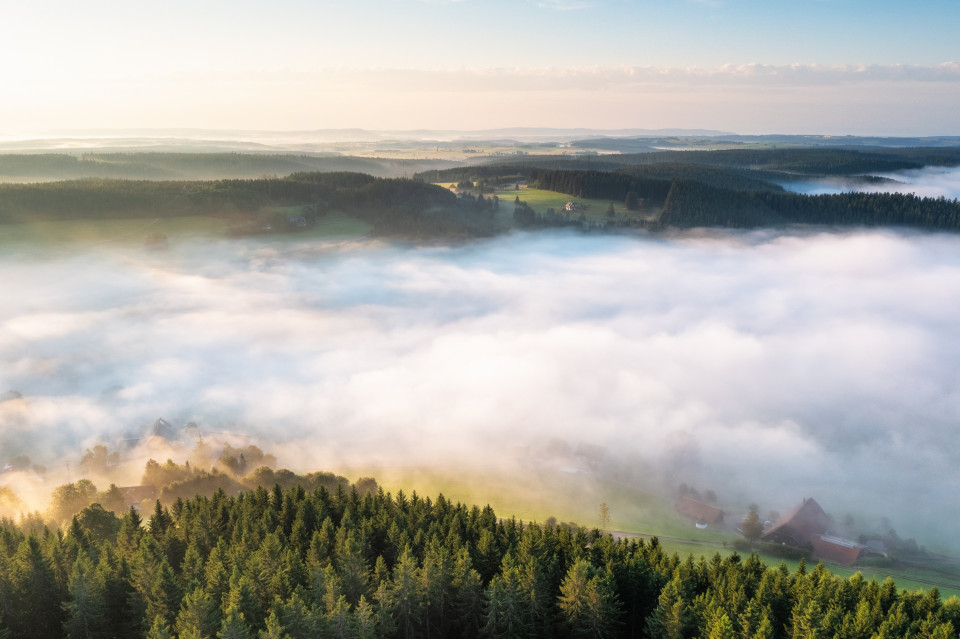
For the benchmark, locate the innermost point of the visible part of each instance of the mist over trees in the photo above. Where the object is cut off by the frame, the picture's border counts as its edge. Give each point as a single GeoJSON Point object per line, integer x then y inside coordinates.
{"type": "Point", "coordinates": [347, 562]}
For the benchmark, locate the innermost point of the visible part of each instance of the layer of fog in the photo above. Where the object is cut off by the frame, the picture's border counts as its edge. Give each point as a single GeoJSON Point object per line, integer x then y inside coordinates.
{"type": "Point", "coordinates": [765, 366]}
{"type": "Point", "coordinates": [930, 181]}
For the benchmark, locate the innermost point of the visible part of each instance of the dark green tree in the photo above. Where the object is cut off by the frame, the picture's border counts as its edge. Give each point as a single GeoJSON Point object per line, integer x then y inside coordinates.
{"type": "Point", "coordinates": [234, 626]}
{"type": "Point", "coordinates": [198, 614]}
{"type": "Point", "coordinates": [86, 607]}
{"type": "Point", "coordinates": [35, 611]}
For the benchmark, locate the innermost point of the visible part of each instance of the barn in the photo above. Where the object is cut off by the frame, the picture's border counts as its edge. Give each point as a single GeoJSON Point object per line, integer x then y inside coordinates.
{"type": "Point", "coordinates": [836, 549]}
{"type": "Point", "coordinates": [798, 526]}
{"type": "Point", "coordinates": [699, 511]}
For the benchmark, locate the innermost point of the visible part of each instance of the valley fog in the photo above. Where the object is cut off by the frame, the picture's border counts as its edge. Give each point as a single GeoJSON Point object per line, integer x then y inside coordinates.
{"type": "Point", "coordinates": [765, 366]}
{"type": "Point", "coordinates": [930, 181]}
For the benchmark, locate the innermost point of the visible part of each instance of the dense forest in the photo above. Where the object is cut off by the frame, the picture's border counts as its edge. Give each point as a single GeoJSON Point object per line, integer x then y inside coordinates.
{"type": "Point", "coordinates": [323, 558]}
{"type": "Point", "coordinates": [732, 188]}
{"type": "Point", "coordinates": [391, 206]}
{"type": "Point", "coordinates": [692, 204]}
{"type": "Point", "coordinates": [194, 166]}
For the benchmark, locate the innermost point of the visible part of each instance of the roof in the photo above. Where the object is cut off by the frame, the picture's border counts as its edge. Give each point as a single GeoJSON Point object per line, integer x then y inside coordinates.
{"type": "Point", "coordinates": [798, 526]}
{"type": "Point", "coordinates": [699, 510]}
{"type": "Point", "coordinates": [836, 549]}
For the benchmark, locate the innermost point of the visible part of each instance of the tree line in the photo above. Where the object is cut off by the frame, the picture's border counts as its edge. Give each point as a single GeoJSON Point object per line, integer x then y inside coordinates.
{"type": "Point", "coordinates": [170, 166]}
{"type": "Point", "coordinates": [390, 205]}
{"type": "Point", "coordinates": [350, 561]}
{"type": "Point", "coordinates": [692, 204]}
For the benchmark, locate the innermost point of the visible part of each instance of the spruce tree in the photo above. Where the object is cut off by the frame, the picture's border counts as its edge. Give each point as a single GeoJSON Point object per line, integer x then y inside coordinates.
{"type": "Point", "coordinates": [86, 607]}
{"type": "Point", "coordinates": [234, 626]}
{"type": "Point", "coordinates": [198, 613]}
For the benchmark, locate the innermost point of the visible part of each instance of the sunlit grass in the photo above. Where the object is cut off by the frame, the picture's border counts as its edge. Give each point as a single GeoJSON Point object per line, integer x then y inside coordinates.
{"type": "Point", "coordinates": [594, 209]}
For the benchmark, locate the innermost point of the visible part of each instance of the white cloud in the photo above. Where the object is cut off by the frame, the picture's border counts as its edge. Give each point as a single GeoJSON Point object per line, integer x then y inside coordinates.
{"type": "Point", "coordinates": [769, 366]}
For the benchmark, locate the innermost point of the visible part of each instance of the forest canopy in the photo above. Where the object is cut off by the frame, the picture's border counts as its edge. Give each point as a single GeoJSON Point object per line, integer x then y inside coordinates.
{"type": "Point", "coordinates": [352, 562]}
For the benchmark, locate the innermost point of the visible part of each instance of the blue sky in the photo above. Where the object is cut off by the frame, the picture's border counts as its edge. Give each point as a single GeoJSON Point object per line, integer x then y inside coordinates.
{"type": "Point", "coordinates": [815, 66]}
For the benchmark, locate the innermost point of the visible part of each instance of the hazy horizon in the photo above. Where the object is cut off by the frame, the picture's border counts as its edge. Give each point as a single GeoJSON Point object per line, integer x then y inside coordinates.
{"type": "Point", "coordinates": [853, 67]}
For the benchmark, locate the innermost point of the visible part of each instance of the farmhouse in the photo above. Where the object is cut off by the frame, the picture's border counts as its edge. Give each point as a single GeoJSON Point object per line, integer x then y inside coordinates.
{"type": "Point", "coordinates": [807, 526]}
{"type": "Point", "coordinates": [798, 526]}
{"type": "Point", "coordinates": [841, 551]}
{"type": "Point", "coordinates": [698, 511]}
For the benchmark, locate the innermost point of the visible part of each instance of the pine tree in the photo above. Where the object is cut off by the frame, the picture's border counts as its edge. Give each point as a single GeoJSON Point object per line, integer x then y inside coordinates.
{"type": "Point", "coordinates": [298, 619]}
{"type": "Point", "coordinates": [365, 620]}
{"type": "Point", "coordinates": [721, 628]}
{"type": "Point", "coordinates": [164, 597]}
{"type": "Point", "coordinates": [404, 594]}
{"type": "Point", "coordinates": [128, 539]}
{"type": "Point", "coordinates": [35, 612]}
{"type": "Point", "coordinates": [217, 573]}
{"type": "Point", "coordinates": [243, 600]}
{"type": "Point", "coordinates": [234, 626]}
{"type": "Point", "coordinates": [506, 614]}
{"type": "Point", "coordinates": [159, 630]}
{"type": "Point", "coordinates": [436, 588]}
{"type": "Point", "coordinates": [274, 629]}
{"type": "Point", "coordinates": [588, 602]}
{"type": "Point", "coordinates": [469, 604]}
{"type": "Point", "coordinates": [354, 574]}
{"type": "Point", "coordinates": [671, 619]}
{"type": "Point", "coordinates": [199, 614]}
{"type": "Point", "coordinates": [86, 608]}
{"type": "Point", "coordinates": [339, 619]}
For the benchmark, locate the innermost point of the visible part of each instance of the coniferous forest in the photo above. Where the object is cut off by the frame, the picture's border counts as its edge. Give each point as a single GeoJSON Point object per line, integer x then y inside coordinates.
{"type": "Point", "coordinates": [357, 562]}
{"type": "Point", "coordinates": [731, 188]}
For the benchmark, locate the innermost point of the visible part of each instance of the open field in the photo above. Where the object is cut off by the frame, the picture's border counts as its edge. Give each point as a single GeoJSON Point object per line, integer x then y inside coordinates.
{"type": "Point", "coordinates": [536, 494]}
{"type": "Point", "coordinates": [594, 209]}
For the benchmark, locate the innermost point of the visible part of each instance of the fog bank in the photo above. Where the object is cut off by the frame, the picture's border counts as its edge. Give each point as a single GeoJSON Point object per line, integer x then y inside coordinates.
{"type": "Point", "coordinates": [930, 181]}
{"type": "Point", "coordinates": [768, 366]}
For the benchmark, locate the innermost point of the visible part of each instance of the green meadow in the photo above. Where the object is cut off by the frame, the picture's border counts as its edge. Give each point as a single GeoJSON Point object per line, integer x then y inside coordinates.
{"type": "Point", "coordinates": [594, 209]}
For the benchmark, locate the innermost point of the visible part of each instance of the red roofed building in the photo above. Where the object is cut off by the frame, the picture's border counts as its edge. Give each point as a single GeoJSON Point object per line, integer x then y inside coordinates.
{"type": "Point", "coordinates": [798, 526]}
{"type": "Point", "coordinates": [835, 549]}
{"type": "Point", "coordinates": [699, 511]}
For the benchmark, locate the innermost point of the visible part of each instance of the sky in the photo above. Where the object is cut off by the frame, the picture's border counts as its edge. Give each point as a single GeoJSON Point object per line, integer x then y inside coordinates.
{"type": "Point", "coordinates": [767, 366]}
{"type": "Point", "coordinates": [879, 67]}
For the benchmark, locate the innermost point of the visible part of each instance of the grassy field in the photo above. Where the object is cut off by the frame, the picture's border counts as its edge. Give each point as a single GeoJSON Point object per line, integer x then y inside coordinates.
{"type": "Point", "coordinates": [595, 210]}
{"type": "Point", "coordinates": [536, 494]}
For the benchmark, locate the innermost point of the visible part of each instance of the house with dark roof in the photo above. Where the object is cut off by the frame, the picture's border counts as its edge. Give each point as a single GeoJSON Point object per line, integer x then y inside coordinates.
{"type": "Point", "coordinates": [699, 511]}
{"type": "Point", "coordinates": [798, 526]}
